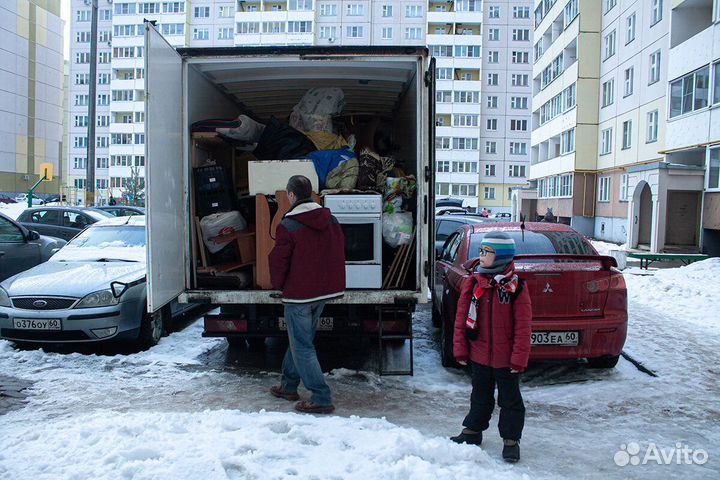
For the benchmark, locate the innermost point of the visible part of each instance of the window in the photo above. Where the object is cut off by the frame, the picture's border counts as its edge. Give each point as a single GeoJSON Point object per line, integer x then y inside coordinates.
{"type": "Point", "coordinates": [123, 95]}
{"type": "Point", "coordinates": [519, 79]}
{"type": "Point", "coordinates": [520, 57]}
{"type": "Point", "coordinates": [441, 50]}
{"type": "Point", "coordinates": [82, 37]}
{"type": "Point", "coordinates": [570, 12]}
{"type": "Point", "coordinates": [277, 27]}
{"type": "Point", "coordinates": [654, 68]}
{"type": "Point", "coordinates": [609, 4]}
{"type": "Point", "coordinates": [516, 170]}
{"type": "Point", "coordinates": [198, 12]}
{"type": "Point", "coordinates": [80, 142]}
{"type": "Point", "coordinates": [494, 34]}
{"type": "Point", "coordinates": [539, 49]}
{"type": "Point", "coordinates": [327, 32]}
{"type": "Point", "coordinates": [443, 143]}
{"type": "Point", "coordinates": [716, 81]}
{"type": "Point", "coordinates": [656, 13]}
{"type": "Point", "coordinates": [444, 73]}
{"type": "Point", "coordinates": [492, 101]}
{"type": "Point", "coordinates": [490, 147]}
{"type": "Point", "coordinates": [566, 182]}
{"type": "Point", "coordinates": [461, 120]}
{"type": "Point", "coordinates": [627, 134]}
{"type": "Point", "coordinates": [466, 77]}
{"type": "Point", "coordinates": [413, 11]}
{"type": "Point", "coordinates": [300, 5]}
{"type": "Point", "coordinates": [81, 120]}
{"type": "Point", "coordinates": [355, 32]}
{"type": "Point", "coordinates": [491, 124]}
{"type": "Point", "coordinates": [103, 99]}
{"type": "Point", "coordinates": [82, 15]}
{"type": "Point", "coordinates": [225, 33]}
{"type": "Point", "coordinates": [493, 12]}
{"type": "Point", "coordinates": [173, 29]}
{"type": "Point", "coordinates": [652, 127]}
{"type": "Point", "coordinates": [81, 100]}
{"type": "Point", "coordinates": [624, 187]}
{"type": "Point", "coordinates": [520, 34]}
{"type": "Point", "coordinates": [606, 141]}
{"type": "Point", "coordinates": [519, 103]}
{"type": "Point", "coordinates": [465, 143]}
{"type": "Point", "coordinates": [82, 57]}
{"type": "Point", "coordinates": [387, 33]}
{"type": "Point", "coordinates": [464, 190]}
{"type": "Point", "coordinates": [464, 167]}
{"type": "Point", "coordinates": [201, 34]}
{"type": "Point", "coordinates": [630, 29]}
{"type": "Point", "coordinates": [552, 71]}
{"type": "Point", "coordinates": [470, 51]}
{"type": "Point", "coordinates": [608, 92]}
{"type": "Point", "coordinates": [79, 163]}
{"type": "Point", "coordinates": [629, 74]}
{"type": "Point", "coordinates": [604, 189]}
{"type": "Point", "coordinates": [462, 96]}
{"type": "Point", "coordinates": [171, 7]}
{"type": "Point", "coordinates": [387, 11]}
{"type": "Point", "coordinates": [609, 43]}
{"type": "Point", "coordinates": [490, 170]}
{"type": "Point", "coordinates": [489, 193]}
{"type": "Point", "coordinates": [300, 27]}
{"type": "Point", "coordinates": [125, 8]}
{"type": "Point", "coordinates": [521, 12]}
{"type": "Point", "coordinates": [493, 79]}
{"type": "Point", "coordinates": [413, 33]}
{"type": "Point", "coordinates": [244, 28]}
{"type": "Point", "coordinates": [518, 125]}
{"type": "Point", "coordinates": [493, 56]}
{"type": "Point", "coordinates": [690, 92]}
{"type": "Point", "coordinates": [355, 9]}
{"type": "Point", "coordinates": [328, 10]}
{"type": "Point", "coordinates": [467, 5]}
{"type": "Point", "coordinates": [567, 141]}
{"type": "Point", "coordinates": [569, 97]}
{"type": "Point", "coordinates": [79, 183]}
{"type": "Point", "coordinates": [714, 168]}
{"type": "Point", "coordinates": [518, 148]}
{"type": "Point", "coordinates": [225, 12]}
{"type": "Point", "coordinates": [443, 166]}
{"type": "Point", "coordinates": [101, 162]}
{"type": "Point", "coordinates": [104, 36]}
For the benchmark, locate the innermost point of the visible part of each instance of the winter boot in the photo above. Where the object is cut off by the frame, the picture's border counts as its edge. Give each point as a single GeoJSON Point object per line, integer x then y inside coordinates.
{"type": "Point", "coordinates": [511, 450]}
{"type": "Point", "coordinates": [468, 436]}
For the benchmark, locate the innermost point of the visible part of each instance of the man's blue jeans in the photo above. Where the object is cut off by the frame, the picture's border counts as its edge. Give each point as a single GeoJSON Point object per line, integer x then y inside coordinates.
{"type": "Point", "coordinates": [300, 362]}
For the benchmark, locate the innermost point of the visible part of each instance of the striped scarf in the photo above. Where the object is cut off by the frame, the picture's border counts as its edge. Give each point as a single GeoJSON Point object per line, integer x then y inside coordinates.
{"type": "Point", "coordinates": [506, 284]}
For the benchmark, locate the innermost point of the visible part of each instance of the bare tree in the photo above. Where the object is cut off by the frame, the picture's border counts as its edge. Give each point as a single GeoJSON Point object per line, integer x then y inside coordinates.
{"type": "Point", "coordinates": [134, 190]}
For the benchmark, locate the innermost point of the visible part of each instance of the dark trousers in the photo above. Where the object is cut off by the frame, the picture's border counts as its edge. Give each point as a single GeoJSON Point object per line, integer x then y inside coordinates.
{"type": "Point", "coordinates": [482, 401]}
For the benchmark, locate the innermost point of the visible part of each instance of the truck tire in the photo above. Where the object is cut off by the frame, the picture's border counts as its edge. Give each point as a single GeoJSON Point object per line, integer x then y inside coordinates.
{"type": "Point", "coordinates": [608, 361]}
{"type": "Point", "coordinates": [236, 342]}
{"type": "Point", "coordinates": [256, 344]}
{"type": "Point", "coordinates": [151, 329]}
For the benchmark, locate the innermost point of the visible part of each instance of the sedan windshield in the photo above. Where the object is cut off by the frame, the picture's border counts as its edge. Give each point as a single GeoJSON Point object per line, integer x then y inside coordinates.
{"type": "Point", "coordinates": [547, 243]}
{"type": "Point", "coordinates": [111, 243]}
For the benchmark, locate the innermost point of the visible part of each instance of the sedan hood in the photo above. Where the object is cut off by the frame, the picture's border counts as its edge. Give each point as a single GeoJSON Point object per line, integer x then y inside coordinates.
{"type": "Point", "coordinates": [72, 279]}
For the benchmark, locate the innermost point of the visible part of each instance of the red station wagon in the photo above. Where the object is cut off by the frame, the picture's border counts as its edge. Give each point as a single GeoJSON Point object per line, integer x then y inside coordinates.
{"type": "Point", "coordinates": [579, 298]}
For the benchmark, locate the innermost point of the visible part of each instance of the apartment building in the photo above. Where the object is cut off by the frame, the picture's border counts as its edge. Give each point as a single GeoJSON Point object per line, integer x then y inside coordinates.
{"type": "Point", "coordinates": [635, 41]}
{"type": "Point", "coordinates": [31, 94]}
{"type": "Point", "coordinates": [564, 139]}
{"type": "Point", "coordinates": [685, 191]}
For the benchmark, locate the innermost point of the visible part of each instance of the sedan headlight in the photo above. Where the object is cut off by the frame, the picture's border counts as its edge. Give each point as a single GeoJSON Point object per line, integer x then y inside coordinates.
{"type": "Point", "coordinates": [4, 298]}
{"type": "Point", "coordinates": [102, 298]}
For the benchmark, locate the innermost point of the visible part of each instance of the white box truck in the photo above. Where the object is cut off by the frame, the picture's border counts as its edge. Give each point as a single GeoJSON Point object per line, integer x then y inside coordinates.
{"type": "Point", "coordinates": [183, 86]}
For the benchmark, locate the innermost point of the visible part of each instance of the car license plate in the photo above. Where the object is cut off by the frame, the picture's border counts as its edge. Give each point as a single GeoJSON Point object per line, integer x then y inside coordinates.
{"type": "Point", "coordinates": [325, 323]}
{"type": "Point", "coordinates": [37, 324]}
{"type": "Point", "coordinates": [554, 338]}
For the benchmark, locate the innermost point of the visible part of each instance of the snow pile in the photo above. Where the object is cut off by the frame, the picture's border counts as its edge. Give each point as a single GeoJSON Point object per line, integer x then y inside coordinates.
{"type": "Point", "coordinates": [224, 444]}
{"type": "Point", "coordinates": [604, 248]}
{"type": "Point", "coordinates": [12, 210]}
{"type": "Point", "coordinates": [688, 294]}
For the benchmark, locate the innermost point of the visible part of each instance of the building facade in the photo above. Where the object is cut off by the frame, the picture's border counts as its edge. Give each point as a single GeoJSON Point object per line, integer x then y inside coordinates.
{"type": "Point", "coordinates": [31, 94]}
{"type": "Point", "coordinates": [452, 30]}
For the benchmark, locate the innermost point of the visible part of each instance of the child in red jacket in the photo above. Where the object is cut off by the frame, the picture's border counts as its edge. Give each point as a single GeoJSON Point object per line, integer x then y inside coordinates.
{"type": "Point", "coordinates": [492, 332]}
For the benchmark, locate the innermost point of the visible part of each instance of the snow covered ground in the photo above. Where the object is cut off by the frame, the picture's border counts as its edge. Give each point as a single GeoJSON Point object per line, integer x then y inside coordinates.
{"type": "Point", "coordinates": [189, 408]}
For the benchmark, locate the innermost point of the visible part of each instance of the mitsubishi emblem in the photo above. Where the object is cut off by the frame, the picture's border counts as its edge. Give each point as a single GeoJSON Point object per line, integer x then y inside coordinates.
{"type": "Point", "coordinates": [548, 288]}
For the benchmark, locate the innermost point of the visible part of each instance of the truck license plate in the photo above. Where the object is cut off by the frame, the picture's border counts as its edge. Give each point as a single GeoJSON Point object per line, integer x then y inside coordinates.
{"type": "Point", "coordinates": [554, 338]}
{"type": "Point", "coordinates": [325, 323]}
{"type": "Point", "coordinates": [37, 324]}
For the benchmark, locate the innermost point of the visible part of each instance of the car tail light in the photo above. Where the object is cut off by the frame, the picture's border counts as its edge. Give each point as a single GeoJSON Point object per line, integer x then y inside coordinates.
{"type": "Point", "coordinates": [614, 282]}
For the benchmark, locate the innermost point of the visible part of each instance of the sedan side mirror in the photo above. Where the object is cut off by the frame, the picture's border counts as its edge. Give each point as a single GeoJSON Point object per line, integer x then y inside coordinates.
{"type": "Point", "coordinates": [33, 235]}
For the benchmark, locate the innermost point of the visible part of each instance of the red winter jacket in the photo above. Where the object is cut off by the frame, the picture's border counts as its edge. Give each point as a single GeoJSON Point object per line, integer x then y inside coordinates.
{"type": "Point", "coordinates": [503, 328]}
{"type": "Point", "coordinates": [308, 261]}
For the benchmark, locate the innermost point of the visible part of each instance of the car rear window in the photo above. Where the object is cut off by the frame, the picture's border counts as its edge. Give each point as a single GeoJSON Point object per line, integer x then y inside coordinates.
{"type": "Point", "coordinates": [548, 243]}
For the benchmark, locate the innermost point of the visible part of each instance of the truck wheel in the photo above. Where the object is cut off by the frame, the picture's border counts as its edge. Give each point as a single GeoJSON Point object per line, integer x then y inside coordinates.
{"type": "Point", "coordinates": [608, 361]}
{"type": "Point", "coordinates": [236, 342]}
{"type": "Point", "coordinates": [151, 329]}
{"type": "Point", "coordinates": [446, 349]}
{"type": "Point", "coordinates": [256, 344]}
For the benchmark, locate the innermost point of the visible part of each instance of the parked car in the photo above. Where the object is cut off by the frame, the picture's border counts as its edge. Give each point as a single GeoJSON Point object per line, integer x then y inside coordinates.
{"type": "Point", "coordinates": [21, 248]}
{"type": "Point", "coordinates": [504, 215]}
{"type": "Point", "coordinates": [579, 298]}
{"type": "Point", "coordinates": [93, 289]}
{"type": "Point", "coordinates": [7, 200]}
{"type": "Point", "coordinates": [122, 210]}
{"type": "Point", "coordinates": [56, 199]}
{"type": "Point", "coordinates": [446, 224]}
{"type": "Point", "coordinates": [61, 222]}
{"type": "Point", "coordinates": [23, 198]}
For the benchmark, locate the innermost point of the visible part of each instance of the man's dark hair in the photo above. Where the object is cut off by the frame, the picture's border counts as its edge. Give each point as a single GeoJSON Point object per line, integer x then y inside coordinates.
{"type": "Point", "coordinates": [300, 186]}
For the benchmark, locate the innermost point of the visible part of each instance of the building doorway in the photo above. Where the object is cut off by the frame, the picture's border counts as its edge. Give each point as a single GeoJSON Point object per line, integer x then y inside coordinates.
{"type": "Point", "coordinates": [645, 218]}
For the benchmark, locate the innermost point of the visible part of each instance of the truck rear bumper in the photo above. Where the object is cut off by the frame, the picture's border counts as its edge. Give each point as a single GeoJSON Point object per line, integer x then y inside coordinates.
{"type": "Point", "coordinates": [352, 297]}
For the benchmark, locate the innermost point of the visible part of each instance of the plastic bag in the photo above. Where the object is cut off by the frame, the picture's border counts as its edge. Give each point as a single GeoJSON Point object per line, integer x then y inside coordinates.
{"type": "Point", "coordinates": [223, 223]}
{"type": "Point", "coordinates": [397, 228]}
{"type": "Point", "coordinates": [397, 190]}
{"type": "Point", "coordinates": [315, 110]}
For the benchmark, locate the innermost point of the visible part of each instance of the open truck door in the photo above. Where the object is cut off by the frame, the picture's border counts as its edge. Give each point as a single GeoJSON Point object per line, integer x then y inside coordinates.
{"type": "Point", "coordinates": [164, 171]}
{"type": "Point", "coordinates": [430, 176]}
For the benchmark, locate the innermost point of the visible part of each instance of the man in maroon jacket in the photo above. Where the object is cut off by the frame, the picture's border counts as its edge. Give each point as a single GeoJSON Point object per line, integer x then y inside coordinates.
{"type": "Point", "coordinates": [308, 266]}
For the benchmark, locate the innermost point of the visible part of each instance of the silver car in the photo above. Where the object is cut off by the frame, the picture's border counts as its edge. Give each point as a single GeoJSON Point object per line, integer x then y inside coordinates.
{"type": "Point", "coordinates": [92, 290]}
